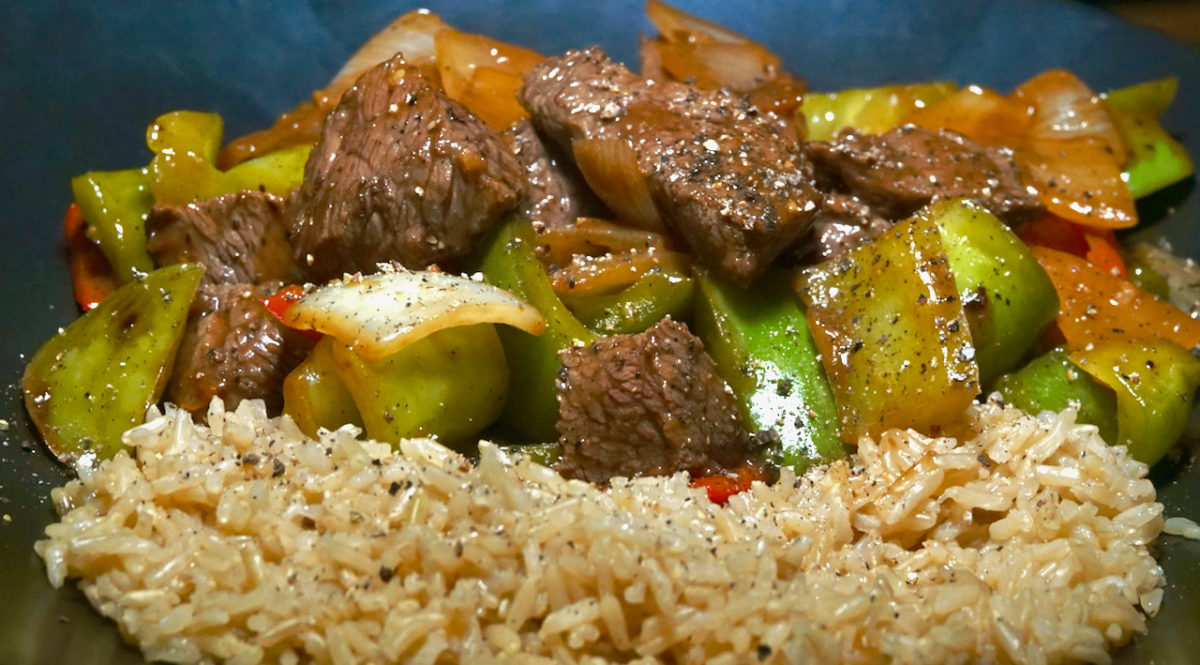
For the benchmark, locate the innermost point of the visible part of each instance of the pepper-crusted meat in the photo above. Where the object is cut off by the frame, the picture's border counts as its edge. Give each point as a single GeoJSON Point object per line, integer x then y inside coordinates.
{"type": "Point", "coordinates": [401, 173]}
{"type": "Point", "coordinates": [233, 348]}
{"type": "Point", "coordinates": [240, 238]}
{"type": "Point", "coordinates": [898, 172]}
{"type": "Point", "coordinates": [555, 192]}
{"type": "Point", "coordinates": [729, 179]}
{"type": "Point", "coordinates": [646, 404]}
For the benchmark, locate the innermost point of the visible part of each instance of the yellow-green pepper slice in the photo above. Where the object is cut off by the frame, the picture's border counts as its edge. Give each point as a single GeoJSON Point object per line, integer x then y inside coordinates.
{"type": "Point", "coordinates": [1051, 382]}
{"type": "Point", "coordinates": [450, 385]}
{"type": "Point", "coordinates": [869, 110]}
{"type": "Point", "coordinates": [184, 170]}
{"type": "Point", "coordinates": [95, 379]}
{"type": "Point", "coordinates": [893, 337]}
{"type": "Point", "coordinates": [1156, 159]}
{"type": "Point", "coordinates": [510, 262]}
{"type": "Point", "coordinates": [764, 350]}
{"type": "Point", "coordinates": [1155, 385]}
{"type": "Point", "coordinates": [637, 307]}
{"type": "Point", "coordinates": [1007, 296]}
{"type": "Point", "coordinates": [115, 205]}
{"type": "Point", "coordinates": [315, 396]}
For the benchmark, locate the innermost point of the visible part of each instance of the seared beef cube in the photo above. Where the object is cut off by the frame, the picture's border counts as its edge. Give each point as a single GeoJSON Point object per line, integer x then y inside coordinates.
{"type": "Point", "coordinates": [842, 223]}
{"type": "Point", "coordinates": [646, 404]}
{"type": "Point", "coordinates": [555, 193]}
{"type": "Point", "coordinates": [729, 179]}
{"type": "Point", "coordinates": [900, 171]}
{"type": "Point", "coordinates": [240, 238]}
{"type": "Point", "coordinates": [401, 173]}
{"type": "Point", "coordinates": [233, 348]}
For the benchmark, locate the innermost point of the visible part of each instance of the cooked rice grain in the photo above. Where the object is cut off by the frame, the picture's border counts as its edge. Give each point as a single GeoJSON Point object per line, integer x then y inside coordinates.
{"type": "Point", "coordinates": [245, 541]}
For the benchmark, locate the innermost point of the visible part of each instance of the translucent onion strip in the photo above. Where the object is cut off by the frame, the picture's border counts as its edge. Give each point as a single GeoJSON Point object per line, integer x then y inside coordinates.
{"type": "Point", "coordinates": [380, 314]}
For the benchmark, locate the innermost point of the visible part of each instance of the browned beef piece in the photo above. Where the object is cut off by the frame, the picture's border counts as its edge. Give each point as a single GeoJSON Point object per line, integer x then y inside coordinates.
{"type": "Point", "coordinates": [646, 404]}
{"type": "Point", "coordinates": [842, 223]}
{"type": "Point", "coordinates": [731, 180]}
{"type": "Point", "coordinates": [401, 173]}
{"type": "Point", "coordinates": [240, 238]}
{"type": "Point", "coordinates": [898, 172]}
{"type": "Point", "coordinates": [234, 349]}
{"type": "Point", "coordinates": [555, 193]}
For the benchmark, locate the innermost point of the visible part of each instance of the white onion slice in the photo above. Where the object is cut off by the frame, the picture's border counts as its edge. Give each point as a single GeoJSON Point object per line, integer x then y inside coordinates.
{"type": "Point", "coordinates": [379, 314]}
{"type": "Point", "coordinates": [410, 34]}
{"type": "Point", "coordinates": [675, 24]}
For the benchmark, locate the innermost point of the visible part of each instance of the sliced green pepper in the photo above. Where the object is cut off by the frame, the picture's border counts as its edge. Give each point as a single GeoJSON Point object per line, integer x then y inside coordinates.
{"type": "Point", "coordinates": [1007, 296]}
{"type": "Point", "coordinates": [95, 379]}
{"type": "Point", "coordinates": [869, 110]}
{"type": "Point", "coordinates": [892, 333]}
{"type": "Point", "coordinates": [1051, 382]}
{"type": "Point", "coordinates": [1155, 385]}
{"type": "Point", "coordinates": [115, 205]}
{"type": "Point", "coordinates": [1145, 276]}
{"type": "Point", "coordinates": [450, 384]}
{"type": "Point", "coordinates": [765, 351]}
{"type": "Point", "coordinates": [510, 262]}
{"type": "Point", "coordinates": [1156, 159]}
{"type": "Point", "coordinates": [633, 309]}
{"type": "Point", "coordinates": [315, 396]}
{"type": "Point", "coordinates": [183, 169]}
{"type": "Point", "coordinates": [546, 454]}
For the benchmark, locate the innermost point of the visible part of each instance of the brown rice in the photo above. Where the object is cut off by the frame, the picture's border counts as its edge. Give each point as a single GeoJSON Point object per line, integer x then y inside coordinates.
{"type": "Point", "coordinates": [243, 541]}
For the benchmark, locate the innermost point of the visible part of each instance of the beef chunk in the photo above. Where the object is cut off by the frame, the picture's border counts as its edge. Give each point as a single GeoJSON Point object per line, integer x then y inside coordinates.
{"type": "Point", "coordinates": [240, 238]}
{"type": "Point", "coordinates": [842, 223]}
{"type": "Point", "coordinates": [555, 193]}
{"type": "Point", "coordinates": [234, 349]}
{"type": "Point", "coordinates": [646, 404]}
{"type": "Point", "coordinates": [900, 171]}
{"type": "Point", "coordinates": [731, 180]}
{"type": "Point", "coordinates": [401, 173]}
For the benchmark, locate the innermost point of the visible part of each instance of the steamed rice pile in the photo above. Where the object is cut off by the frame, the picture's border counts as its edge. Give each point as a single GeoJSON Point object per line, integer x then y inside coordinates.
{"type": "Point", "coordinates": [244, 541]}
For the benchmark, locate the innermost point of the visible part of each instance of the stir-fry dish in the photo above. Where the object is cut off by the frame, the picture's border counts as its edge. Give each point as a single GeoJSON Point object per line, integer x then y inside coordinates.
{"type": "Point", "coordinates": [486, 355]}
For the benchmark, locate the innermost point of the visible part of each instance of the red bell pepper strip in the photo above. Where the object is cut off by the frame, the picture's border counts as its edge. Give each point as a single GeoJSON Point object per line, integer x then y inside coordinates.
{"type": "Point", "coordinates": [1097, 306]}
{"type": "Point", "coordinates": [722, 486]}
{"type": "Point", "coordinates": [285, 297]}
{"type": "Point", "coordinates": [1098, 246]}
{"type": "Point", "coordinates": [91, 275]}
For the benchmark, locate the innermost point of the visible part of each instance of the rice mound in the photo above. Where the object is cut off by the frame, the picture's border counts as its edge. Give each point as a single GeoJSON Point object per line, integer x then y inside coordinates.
{"type": "Point", "coordinates": [243, 541]}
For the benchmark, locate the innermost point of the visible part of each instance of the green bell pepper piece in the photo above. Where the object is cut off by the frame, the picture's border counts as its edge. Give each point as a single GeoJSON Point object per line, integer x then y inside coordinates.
{"type": "Point", "coordinates": [869, 110]}
{"type": "Point", "coordinates": [183, 170]}
{"type": "Point", "coordinates": [546, 454]}
{"type": "Point", "coordinates": [637, 307]}
{"type": "Point", "coordinates": [1155, 385]}
{"type": "Point", "coordinates": [1145, 276]}
{"type": "Point", "coordinates": [893, 337]}
{"type": "Point", "coordinates": [315, 396]}
{"type": "Point", "coordinates": [1156, 159]}
{"type": "Point", "coordinates": [450, 385]}
{"type": "Point", "coordinates": [1007, 296]}
{"type": "Point", "coordinates": [95, 379]}
{"type": "Point", "coordinates": [510, 262]}
{"type": "Point", "coordinates": [115, 205]}
{"type": "Point", "coordinates": [764, 350]}
{"type": "Point", "coordinates": [1051, 382]}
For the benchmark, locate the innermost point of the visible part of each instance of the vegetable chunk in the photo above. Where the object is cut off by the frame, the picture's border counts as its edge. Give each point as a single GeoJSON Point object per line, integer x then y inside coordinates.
{"type": "Point", "coordinates": [96, 378]}
{"type": "Point", "coordinates": [1155, 384]}
{"type": "Point", "coordinates": [764, 349]}
{"type": "Point", "coordinates": [450, 385]}
{"type": "Point", "coordinates": [1007, 297]}
{"type": "Point", "coordinates": [510, 261]}
{"type": "Point", "coordinates": [892, 333]}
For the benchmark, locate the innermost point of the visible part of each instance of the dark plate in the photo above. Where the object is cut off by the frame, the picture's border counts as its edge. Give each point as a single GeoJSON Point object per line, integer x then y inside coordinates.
{"type": "Point", "coordinates": [79, 84]}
